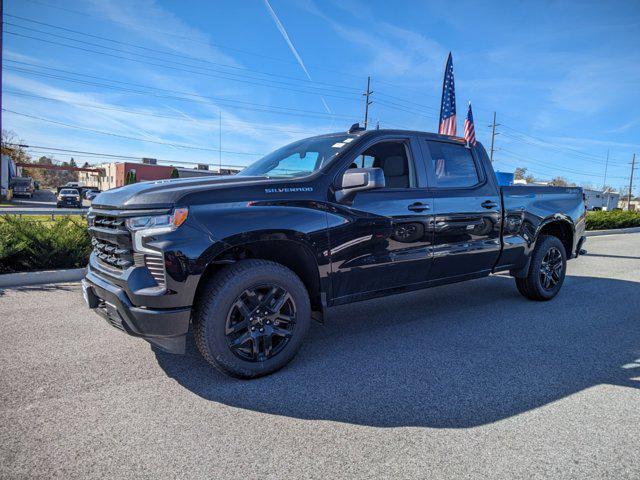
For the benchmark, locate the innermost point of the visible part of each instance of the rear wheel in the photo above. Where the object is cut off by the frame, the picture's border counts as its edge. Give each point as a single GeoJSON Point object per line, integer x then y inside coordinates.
{"type": "Point", "coordinates": [546, 270]}
{"type": "Point", "coordinates": [251, 318]}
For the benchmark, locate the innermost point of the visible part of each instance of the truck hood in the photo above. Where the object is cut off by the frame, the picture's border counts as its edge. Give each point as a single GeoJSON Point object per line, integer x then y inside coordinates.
{"type": "Point", "coordinates": [165, 193]}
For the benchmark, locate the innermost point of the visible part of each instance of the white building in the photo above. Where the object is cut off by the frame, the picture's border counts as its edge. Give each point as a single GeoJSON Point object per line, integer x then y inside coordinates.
{"type": "Point", "coordinates": [601, 200]}
{"type": "Point", "coordinates": [104, 181]}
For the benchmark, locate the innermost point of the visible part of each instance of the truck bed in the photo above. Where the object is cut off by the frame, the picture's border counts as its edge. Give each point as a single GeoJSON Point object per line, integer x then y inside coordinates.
{"type": "Point", "coordinates": [527, 209]}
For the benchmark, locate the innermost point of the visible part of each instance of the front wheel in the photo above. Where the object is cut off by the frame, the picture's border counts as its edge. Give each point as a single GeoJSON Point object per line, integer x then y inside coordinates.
{"type": "Point", "coordinates": [546, 271]}
{"type": "Point", "coordinates": [251, 317]}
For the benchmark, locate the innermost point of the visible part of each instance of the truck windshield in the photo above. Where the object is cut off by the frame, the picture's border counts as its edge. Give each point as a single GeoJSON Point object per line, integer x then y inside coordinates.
{"type": "Point", "coordinates": [68, 191]}
{"type": "Point", "coordinates": [300, 158]}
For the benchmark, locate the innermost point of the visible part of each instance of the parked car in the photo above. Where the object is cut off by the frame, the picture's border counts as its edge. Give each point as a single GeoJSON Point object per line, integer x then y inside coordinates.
{"type": "Point", "coordinates": [250, 259]}
{"type": "Point", "coordinates": [91, 194]}
{"type": "Point", "coordinates": [69, 197]}
{"type": "Point", "coordinates": [22, 187]}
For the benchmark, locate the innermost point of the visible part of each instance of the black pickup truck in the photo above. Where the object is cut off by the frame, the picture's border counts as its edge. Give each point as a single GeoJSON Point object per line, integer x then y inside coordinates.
{"type": "Point", "coordinates": [248, 260]}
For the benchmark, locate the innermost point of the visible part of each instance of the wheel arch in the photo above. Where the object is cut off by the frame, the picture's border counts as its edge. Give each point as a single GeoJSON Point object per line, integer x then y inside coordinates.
{"type": "Point", "coordinates": [293, 254]}
{"type": "Point", "coordinates": [558, 226]}
{"type": "Point", "coordinates": [561, 227]}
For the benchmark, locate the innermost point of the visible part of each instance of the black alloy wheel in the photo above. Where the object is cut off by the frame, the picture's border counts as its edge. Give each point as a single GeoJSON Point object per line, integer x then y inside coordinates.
{"type": "Point", "coordinates": [260, 322]}
{"type": "Point", "coordinates": [251, 317]}
{"type": "Point", "coordinates": [551, 268]}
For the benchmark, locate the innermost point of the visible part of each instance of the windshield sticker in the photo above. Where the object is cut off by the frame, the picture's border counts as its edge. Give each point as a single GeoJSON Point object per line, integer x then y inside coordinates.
{"type": "Point", "coordinates": [288, 189]}
{"type": "Point", "coordinates": [347, 140]}
{"type": "Point", "coordinates": [338, 145]}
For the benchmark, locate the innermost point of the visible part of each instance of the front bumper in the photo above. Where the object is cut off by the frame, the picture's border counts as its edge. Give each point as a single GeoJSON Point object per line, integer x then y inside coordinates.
{"type": "Point", "coordinates": [164, 328]}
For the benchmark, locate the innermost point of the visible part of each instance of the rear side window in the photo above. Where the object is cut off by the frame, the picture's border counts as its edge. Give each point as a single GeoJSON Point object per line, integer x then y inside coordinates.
{"type": "Point", "coordinates": [452, 165]}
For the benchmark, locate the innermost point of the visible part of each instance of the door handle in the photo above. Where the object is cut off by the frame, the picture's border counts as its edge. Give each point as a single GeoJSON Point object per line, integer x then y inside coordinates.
{"type": "Point", "coordinates": [418, 207]}
{"type": "Point", "coordinates": [489, 204]}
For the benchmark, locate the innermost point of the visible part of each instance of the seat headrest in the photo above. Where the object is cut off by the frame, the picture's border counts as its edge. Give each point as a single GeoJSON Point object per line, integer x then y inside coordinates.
{"type": "Point", "coordinates": [395, 166]}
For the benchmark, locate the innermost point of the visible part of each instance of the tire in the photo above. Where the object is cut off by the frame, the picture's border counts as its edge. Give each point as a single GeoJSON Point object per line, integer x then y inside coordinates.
{"type": "Point", "coordinates": [237, 298]}
{"type": "Point", "coordinates": [547, 270]}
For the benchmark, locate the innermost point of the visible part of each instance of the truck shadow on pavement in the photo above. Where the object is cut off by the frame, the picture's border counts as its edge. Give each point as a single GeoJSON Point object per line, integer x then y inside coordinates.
{"type": "Point", "coordinates": [450, 357]}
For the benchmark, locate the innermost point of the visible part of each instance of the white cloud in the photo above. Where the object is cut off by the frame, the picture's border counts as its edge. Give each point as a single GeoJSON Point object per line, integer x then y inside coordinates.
{"type": "Point", "coordinates": [162, 27]}
{"type": "Point", "coordinates": [197, 125]}
{"type": "Point", "coordinates": [394, 52]}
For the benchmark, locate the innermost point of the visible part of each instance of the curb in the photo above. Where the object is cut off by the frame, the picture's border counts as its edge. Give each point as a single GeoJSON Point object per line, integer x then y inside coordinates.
{"type": "Point", "coordinates": [22, 279]}
{"type": "Point", "coordinates": [613, 231]}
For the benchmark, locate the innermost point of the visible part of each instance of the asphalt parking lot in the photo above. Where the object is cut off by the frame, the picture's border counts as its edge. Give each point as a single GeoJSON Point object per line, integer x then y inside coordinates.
{"type": "Point", "coordinates": [469, 380]}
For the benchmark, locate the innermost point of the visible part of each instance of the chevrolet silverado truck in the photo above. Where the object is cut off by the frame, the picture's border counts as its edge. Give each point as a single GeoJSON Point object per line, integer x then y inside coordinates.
{"type": "Point", "coordinates": [245, 262]}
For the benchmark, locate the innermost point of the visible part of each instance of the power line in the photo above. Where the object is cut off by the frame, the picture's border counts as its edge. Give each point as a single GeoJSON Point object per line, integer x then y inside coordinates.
{"type": "Point", "coordinates": [320, 85]}
{"type": "Point", "coordinates": [196, 72]}
{"type": "Point", "coordinates": [554, 167]}
{"type": "Point", "coordinates": [111, 155]}
{"type": "Point", "coordinates": [206, 99]}
{"type": "Point", "coordinates": [227, 77]}
{"type": "Point", "coordinates": [78, 127]}
{"type": "Point", "coordinates": [401, 108]}
{"type": "Point", "coordinates": [166, 52]}
{"type": "Point", "coordinates": [561, 147]}
{"type": "Point", "coordinates": [150, 114]}
{"type": "Point", "coordinates": [195, 40]}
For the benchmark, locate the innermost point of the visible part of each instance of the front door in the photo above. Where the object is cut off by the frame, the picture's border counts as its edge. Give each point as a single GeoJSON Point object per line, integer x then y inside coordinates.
{"type": "Point", "coordinates": [466, 207]}
{"type": "Point", "coordinates": [383, 239]}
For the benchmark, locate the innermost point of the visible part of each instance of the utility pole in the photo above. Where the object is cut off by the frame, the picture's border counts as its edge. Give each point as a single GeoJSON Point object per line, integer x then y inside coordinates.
{"type": "Point", "coordinates": [606, 165]}
{"type": "Point", "coordinates": [1, 62]}
{"type": "Point", "coordinates": [220, 144]}
{"type": "Point", "coordinates": [367, 102]}
{"type": "Point", "coordinates": [493, 134]}
{"type": "Point", "coordinates": [633, 165]}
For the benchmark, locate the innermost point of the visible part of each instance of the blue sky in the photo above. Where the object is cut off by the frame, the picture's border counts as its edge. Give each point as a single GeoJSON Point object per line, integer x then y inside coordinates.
{"type": "Point", "coordinates": [564, 77]}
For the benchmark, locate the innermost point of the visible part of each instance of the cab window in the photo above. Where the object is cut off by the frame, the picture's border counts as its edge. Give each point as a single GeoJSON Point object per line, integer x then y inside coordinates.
{"type": "Point", "coordinates": [392, 157]}
{"type": "Point", "coordinates": [452, 165]}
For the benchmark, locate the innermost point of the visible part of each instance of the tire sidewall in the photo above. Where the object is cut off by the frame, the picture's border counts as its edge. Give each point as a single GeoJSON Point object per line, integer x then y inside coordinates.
{"type": "Point", "coordinates": [222, 302]}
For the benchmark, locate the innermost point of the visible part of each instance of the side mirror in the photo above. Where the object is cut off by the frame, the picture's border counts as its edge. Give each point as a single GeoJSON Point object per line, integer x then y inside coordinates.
{"type": "Point", "coordinates": [357, 180]}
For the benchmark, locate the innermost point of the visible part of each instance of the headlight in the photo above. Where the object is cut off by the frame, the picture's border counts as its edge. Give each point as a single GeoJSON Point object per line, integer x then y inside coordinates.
{"type": "Point", "coordinates": [154, 225]}
{"type": "Point", "coordinates": [172, 221]}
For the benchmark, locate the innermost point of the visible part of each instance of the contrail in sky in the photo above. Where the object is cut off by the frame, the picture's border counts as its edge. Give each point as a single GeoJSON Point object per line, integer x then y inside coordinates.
{"type": "Point", "coordinates": [292, 48]}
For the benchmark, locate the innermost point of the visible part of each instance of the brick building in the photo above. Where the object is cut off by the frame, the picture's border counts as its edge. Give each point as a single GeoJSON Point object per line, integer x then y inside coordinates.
{"type": "Point", "coordinates": [115, 173]}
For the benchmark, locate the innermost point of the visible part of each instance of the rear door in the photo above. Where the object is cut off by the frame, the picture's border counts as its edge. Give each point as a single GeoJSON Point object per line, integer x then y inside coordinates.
{"type": "Point", "coordinates": [383, 239]}
{"type": "Point", "coordinates": [466, 207]}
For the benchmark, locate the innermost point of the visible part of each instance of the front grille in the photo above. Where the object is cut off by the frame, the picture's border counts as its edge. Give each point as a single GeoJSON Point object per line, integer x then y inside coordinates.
{"type": "Point", "coordinates": [111, 241]}
{"type": "Point", "coordinates": [113, 248]}
{"type": "Point", "coordinates": [109, 222]}
{"type": "Point", "coordinates": [112, 254]}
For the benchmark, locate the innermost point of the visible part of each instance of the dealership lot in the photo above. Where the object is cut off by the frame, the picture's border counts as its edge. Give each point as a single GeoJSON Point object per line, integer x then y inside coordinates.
{"type": "Point", "coordinates": [465, 380]}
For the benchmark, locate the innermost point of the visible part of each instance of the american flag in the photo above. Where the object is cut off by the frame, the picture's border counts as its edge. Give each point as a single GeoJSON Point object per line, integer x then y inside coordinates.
{"type": "Point", "coordinates": [448, 105]}
{"type": "Point", "coordinates": [469, 130]}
